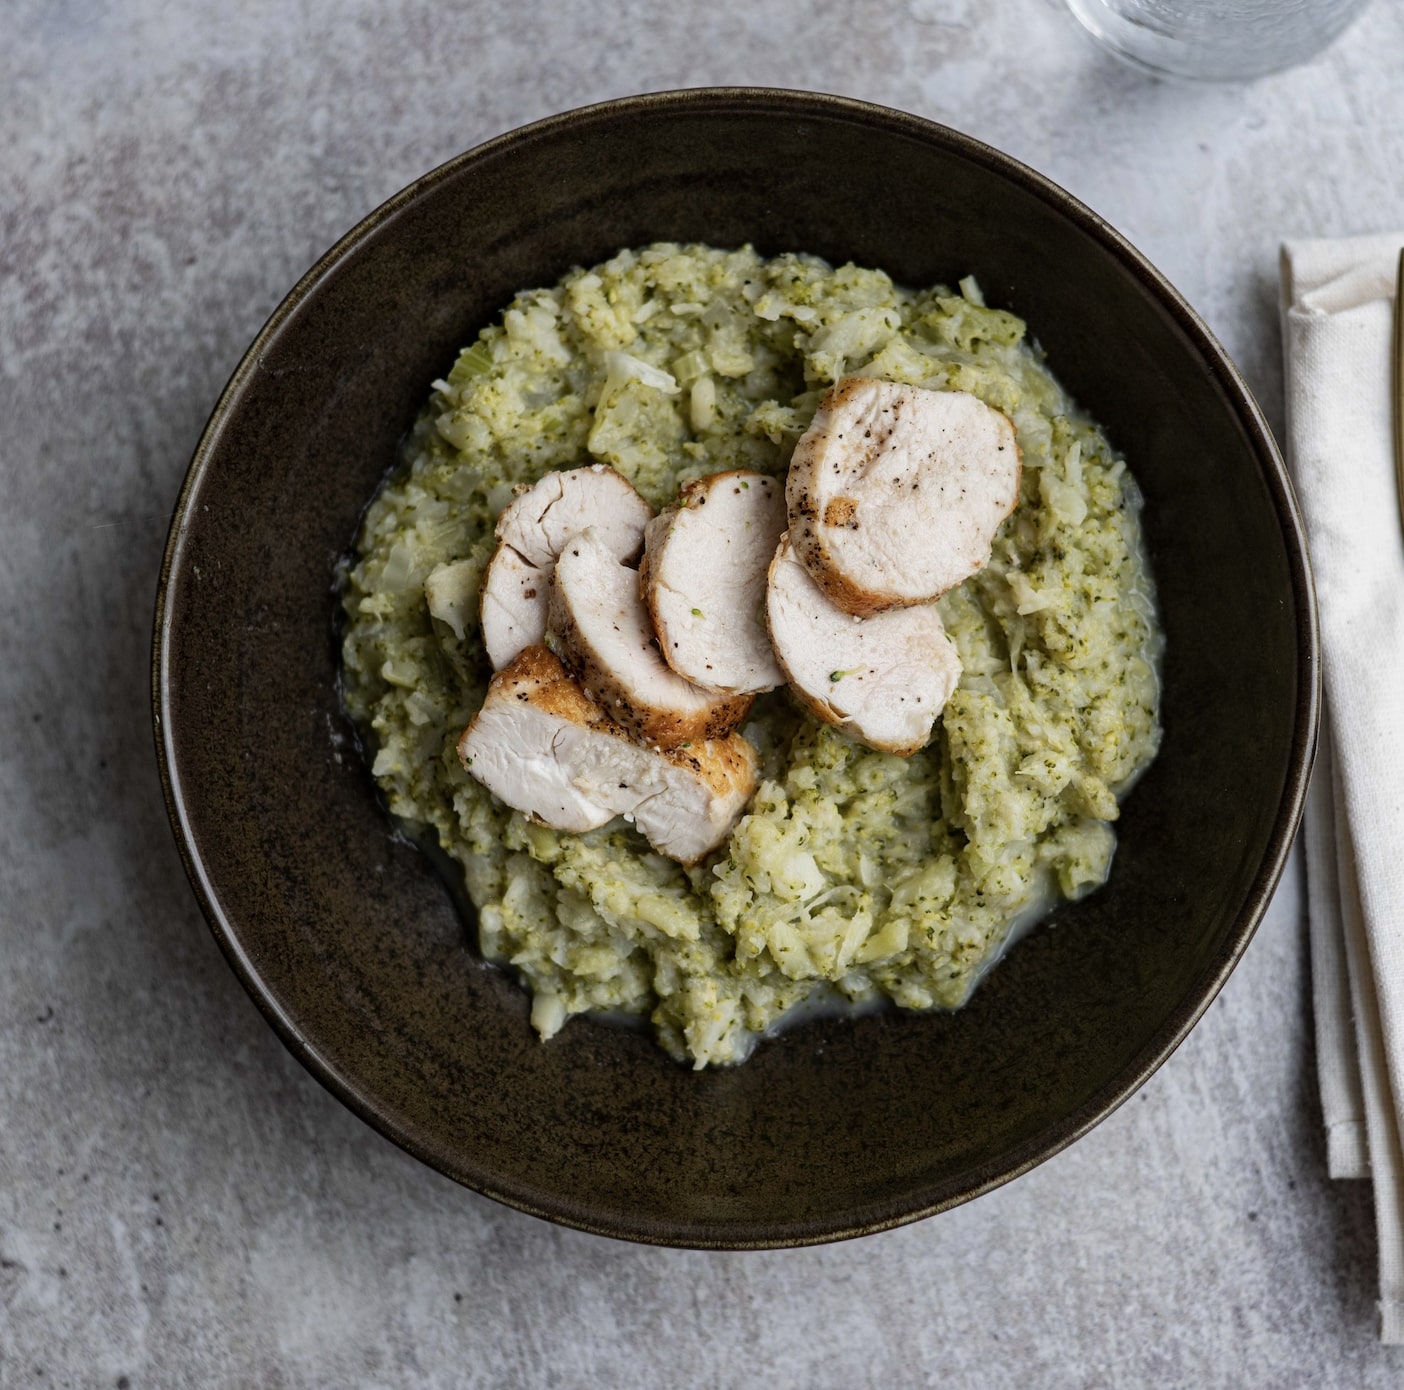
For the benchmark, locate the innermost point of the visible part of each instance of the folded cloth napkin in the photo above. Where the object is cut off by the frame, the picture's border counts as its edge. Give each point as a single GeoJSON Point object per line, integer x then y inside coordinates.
{"type": "Point", "coordinates": [1337, 317]}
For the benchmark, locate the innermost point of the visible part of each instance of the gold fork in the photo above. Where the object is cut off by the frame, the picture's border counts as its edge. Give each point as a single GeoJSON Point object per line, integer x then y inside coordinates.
{"type": "Point", "coordinates": [1398, 385]}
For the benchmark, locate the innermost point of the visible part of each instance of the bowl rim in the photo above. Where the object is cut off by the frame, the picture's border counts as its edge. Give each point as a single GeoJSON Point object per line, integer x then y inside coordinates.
{"type": "Point", "coordinates": [756, 1235]}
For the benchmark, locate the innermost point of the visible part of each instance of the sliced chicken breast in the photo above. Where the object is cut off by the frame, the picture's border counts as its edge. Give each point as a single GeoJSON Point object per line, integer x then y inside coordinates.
{"type": "Point", "coordinates": [561, 505]}
{"type": "Point", "coordinates": [691, 798]}
{"type": "Point", "coordinates": [599, 618]}
{"type": "Point", "coordinates": [895, 493]}
{"type": "Point", "coordinates": [883, 679]}
{"type": "Point", "coordinates": [703, 578]}
{"type": "Point", "coordinates": [535, 741]}
{"type": "Point", "coordinates": [540, 745]}
{"type": "Point", "coordinates": [512, 609]}
{"type": "Point", "coordinates": [531, 532]}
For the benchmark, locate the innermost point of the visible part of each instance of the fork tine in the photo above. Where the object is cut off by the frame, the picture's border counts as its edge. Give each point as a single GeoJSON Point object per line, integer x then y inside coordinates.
{"type": "Point", "coordinates": [1397, 384]}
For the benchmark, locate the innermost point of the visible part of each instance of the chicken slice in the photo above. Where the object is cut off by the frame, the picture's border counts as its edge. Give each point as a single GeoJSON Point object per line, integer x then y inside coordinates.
{"type": "Point", "coordinates": [883, 679]}
{"type": "Point", "coordinates": [561, 505]}
{"type": "Point", "coordinates": [540, 745]}
{"type": "Point", "coordinates": [536, 742]}
{"type": "Point", "coordinates": [601, 622]}
{"type": "Point", "coordinates": [691, 798]}
{"type": "Point", "coordinates": [703, 578]}
{"type": "Point", "coordinates": [513, 605]}
{"type": "Point", "coordinates": [531, 532]}
{"type": "Point", "coordinates": [895, 493]}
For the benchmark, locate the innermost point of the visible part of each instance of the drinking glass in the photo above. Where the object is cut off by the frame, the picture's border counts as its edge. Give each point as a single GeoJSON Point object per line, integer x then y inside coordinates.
{"type": "Point", "coordinates": [1215, 39]}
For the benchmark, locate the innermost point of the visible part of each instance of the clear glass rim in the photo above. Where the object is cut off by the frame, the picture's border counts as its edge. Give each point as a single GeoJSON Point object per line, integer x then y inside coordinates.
{"type": "Point", "coordinates": [1185, 63]}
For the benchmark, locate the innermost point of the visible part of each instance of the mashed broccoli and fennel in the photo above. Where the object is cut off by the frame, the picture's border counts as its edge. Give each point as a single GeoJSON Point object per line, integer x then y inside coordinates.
{"type": "Point", "coordinates": [856, 875]}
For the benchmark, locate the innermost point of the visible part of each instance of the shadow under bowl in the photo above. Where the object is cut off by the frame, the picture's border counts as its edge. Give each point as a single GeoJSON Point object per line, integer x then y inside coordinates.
{"type": "Point", "coordinates": [346, 937]}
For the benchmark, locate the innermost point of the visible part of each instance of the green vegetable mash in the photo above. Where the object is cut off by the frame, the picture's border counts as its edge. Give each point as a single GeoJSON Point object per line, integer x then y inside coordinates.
{"type": "Point", "coordinates": [856, 875]}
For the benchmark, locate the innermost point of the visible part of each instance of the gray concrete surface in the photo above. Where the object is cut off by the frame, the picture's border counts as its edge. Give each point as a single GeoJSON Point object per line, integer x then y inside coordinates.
{"type": "Point", "coordinates": [179, 1203]}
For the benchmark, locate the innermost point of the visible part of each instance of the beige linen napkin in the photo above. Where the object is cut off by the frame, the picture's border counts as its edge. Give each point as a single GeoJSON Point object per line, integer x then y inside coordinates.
{"type": "Point", "coordinates": [1337, 306]}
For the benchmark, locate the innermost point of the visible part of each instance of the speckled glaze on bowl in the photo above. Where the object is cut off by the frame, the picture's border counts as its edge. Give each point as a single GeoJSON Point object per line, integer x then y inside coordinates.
{"type": "Point", "coordinates": [347, 938]}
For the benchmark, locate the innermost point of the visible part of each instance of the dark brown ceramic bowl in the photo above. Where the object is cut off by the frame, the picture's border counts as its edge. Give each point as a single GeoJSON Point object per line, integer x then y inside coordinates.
{"type": "Point", "coordinates": [347, 938]}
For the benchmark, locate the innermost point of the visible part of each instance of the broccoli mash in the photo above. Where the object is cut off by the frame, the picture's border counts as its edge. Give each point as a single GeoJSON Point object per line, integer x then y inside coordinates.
{"type": "Point", "coordinates": [856, 876]}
